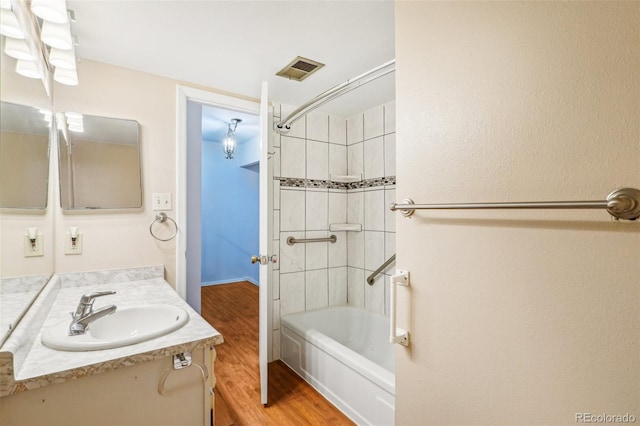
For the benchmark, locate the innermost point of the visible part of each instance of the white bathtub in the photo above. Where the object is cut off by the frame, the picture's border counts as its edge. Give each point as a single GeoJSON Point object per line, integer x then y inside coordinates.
{"type": "Point", "coordinates": [345, 354]}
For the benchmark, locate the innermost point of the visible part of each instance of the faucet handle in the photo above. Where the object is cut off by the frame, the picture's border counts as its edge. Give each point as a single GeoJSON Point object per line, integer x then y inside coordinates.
{"type": "Point", "coordinates": [88, 298]}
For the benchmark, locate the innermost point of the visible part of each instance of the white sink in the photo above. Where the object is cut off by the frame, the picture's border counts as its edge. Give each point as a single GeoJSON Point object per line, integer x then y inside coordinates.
{"type": "Point", "coordinates": [124, 327]}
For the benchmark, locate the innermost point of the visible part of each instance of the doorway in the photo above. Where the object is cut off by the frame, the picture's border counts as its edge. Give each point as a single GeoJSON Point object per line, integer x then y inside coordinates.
{"type": "Point", "coordinates": [229, 200]}
{"type": "Point", "coordinates": [190, 103]}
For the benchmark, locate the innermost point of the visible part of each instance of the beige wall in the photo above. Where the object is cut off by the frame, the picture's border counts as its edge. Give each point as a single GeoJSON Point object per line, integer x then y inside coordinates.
{"type": "Point", "coordinates": [518, 317]}
{"type": "Point", "coordinates": [115, 240]}
{"type": "Point", "coordinates": [110, 240]}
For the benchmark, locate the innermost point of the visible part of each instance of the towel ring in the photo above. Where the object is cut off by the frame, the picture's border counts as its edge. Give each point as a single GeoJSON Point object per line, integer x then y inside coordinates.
{"type": "Point", "coordinates": [163, 380]}
{"type": "Point", "coordinates": [161, 218]}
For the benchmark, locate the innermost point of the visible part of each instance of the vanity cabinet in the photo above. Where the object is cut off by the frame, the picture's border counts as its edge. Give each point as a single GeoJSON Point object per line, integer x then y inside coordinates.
{"type": "Point", "coordinates": [123, 396]}
{"type": "Point", "coordinates": [153, 382]}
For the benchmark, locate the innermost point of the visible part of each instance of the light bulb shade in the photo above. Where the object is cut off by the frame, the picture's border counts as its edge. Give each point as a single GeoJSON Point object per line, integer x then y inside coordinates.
{"type": "Point", "coordinates": [17, 48]}
{"type": "Point", "coordinates": [57, 35]}
{"type": "Point", "coordinates": [27, 69]}
{"type": "Point", "coordinates": [229, 146]}
{"type": "Point", "coordinates": [33, 233]}
{"type": "Point", "coordinates": [50, 10]}
{"type": "Point", "coordinates": [9, 25]}
{"type": "Point", "coordinates": [68, 77]}
{"type": "Point", "coordinates": [65, 59]}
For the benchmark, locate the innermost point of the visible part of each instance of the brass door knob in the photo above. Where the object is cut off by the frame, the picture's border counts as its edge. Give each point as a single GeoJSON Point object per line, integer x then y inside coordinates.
{"type": "Point", "coordinates": [255, 259]}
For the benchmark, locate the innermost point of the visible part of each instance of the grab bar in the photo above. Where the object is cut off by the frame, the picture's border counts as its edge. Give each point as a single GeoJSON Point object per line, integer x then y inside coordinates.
{"type": "Point", "coordinates": [291, 240]}
{"type": "Point", "coordinates": [397, 334]}
{"type": "Point", "coordinates": [371, 278]}
{"type": "Point", "coordinates": [622, 203]}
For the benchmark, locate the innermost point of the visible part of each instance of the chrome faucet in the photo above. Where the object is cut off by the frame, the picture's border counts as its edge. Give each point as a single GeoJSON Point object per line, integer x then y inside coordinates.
{"type": "Point", "coordinates": [85, 314]}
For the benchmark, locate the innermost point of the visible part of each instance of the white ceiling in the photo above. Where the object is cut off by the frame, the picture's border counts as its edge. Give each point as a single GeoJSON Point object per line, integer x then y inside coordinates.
{"type": "Point", "coordinates": [234, 45]}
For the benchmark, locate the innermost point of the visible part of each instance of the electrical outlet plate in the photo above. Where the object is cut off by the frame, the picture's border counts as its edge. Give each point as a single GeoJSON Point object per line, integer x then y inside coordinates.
{"type": "Point", "coordinates": [39, 249]}
{"type": "Point", "coordinates": [161, 201]}
{"type": "Point", "coordinates": [68, 249]}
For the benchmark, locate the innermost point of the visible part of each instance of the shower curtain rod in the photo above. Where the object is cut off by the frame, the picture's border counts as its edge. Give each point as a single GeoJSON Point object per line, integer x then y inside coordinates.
{"type": "Point", "coordinates": [284, 126]}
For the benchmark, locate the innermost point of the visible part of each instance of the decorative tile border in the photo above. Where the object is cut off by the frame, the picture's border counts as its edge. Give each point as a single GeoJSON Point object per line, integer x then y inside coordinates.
{"type": "Point", "coordinates": [370, 183]}
{"type": "Point", "coordinates": [327, 184]}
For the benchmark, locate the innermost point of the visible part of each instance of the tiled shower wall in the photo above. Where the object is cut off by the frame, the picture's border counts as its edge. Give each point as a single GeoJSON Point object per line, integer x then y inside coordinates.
{"type": "Point", "coordinates": [371, 147]}
{"type": "Point", "coordinates": [306, 201]}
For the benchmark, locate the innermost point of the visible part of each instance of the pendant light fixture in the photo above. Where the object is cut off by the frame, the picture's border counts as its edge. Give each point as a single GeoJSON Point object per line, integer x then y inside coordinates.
{"type": "Point", "coordinates": [229, 144]}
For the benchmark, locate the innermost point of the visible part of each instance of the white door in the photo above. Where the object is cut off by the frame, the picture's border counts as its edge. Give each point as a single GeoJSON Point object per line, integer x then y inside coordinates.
{"type": "Point", "coordinates": [265, 239]}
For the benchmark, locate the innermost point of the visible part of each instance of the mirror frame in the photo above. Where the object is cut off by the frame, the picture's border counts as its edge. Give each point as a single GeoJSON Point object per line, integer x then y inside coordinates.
{"type": "Point", "coordinates": [63, 134]}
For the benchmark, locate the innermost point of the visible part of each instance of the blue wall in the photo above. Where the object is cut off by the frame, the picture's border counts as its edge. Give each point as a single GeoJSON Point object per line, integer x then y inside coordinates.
{"type": "Point", "coordinates": [230, 216]}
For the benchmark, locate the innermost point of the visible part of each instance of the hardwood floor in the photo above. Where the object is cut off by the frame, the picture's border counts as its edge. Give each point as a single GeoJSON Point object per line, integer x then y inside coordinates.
{"type": "Point", "coordinates": [233, 310]}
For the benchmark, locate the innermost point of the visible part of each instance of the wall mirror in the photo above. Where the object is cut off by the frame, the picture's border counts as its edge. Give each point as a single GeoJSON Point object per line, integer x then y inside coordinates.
{"type": "Point", "coordinates": [25, 197]}
{"type": "Point", "coordinates": [24, 156]}
{"type": "Point", "coordinates": [99, 162]}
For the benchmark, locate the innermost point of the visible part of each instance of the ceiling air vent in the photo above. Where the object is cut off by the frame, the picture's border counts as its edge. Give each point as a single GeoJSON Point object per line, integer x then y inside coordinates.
{"type": "Point", "coordinates": [299, 69]}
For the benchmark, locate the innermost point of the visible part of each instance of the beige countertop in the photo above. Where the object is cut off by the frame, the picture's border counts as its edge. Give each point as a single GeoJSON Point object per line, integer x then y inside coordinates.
{"type": "Point", "coordinates": [37, 365]}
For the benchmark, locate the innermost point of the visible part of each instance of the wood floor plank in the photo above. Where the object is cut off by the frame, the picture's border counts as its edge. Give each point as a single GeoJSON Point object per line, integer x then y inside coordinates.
{"type": "Point", "coordinates": [233, 310]}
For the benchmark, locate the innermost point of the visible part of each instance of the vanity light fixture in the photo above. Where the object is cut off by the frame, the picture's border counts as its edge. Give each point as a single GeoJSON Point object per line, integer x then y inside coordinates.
{"type": "Point", "coordinates": [17, 48]}
{"type": "Point", "coordinates": [9, 26]}
{"type": "Point", "coordinates": [229, 143]}
{"type": "Point", "coordinates": [68, 77]}
{"type": "Point", "coordinates": [27, 69]}
{"type": "Point", "coordinates": [65, 59]}
{"type": "Point", "coordinates": [47, 116]}
{"type": "Point", "coordinates": [74, 120]}
{"type": "Point", "coordinates": [50, 10]}
{"type": "Point", "coordinates": [57, 35]}
{"type": "Point", "coordinates": [40, 23]}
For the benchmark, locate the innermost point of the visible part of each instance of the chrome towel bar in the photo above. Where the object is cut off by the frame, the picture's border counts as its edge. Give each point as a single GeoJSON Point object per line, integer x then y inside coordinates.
{"type": "Point", "coordinates": [622, 203]}
{"type": "Point", "coordinates": [371, 278]}
{"type": "Point", "coordinates": [332, 239]}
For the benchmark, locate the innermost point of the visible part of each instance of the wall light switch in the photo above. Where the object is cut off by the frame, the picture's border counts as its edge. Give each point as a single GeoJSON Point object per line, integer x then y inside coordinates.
{"type": "Point", "coordinates": [36, 249]}
{"type": "Point", "coordinates": [69, 247]}
{"type": "Point", "coordinates": [161, 201]}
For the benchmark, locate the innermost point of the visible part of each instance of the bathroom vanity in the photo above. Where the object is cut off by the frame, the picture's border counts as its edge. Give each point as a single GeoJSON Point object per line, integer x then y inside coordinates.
{"type": "Point", "coordinates": [166, 380]}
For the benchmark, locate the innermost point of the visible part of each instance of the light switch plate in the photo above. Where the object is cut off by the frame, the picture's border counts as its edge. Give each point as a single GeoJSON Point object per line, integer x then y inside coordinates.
{"type": "Point", "coordinates": [29, 251]}
{"type": "Point", "coordinates": [161, 201]}
{"type": "Point", "coordinates": [68, 249]}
